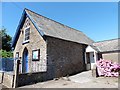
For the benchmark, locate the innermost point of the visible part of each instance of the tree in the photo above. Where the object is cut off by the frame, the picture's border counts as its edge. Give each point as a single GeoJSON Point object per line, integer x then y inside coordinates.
{"type": "Point", "coordinates": [6, 54]}
{"type": "Point", "coordinates": [5, 44]}
{"type": "Point", "coordinates": [6, 40]}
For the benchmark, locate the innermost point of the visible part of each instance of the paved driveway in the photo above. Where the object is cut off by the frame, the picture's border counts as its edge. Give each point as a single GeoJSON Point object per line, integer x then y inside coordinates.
{"type": "Point", "coordinates": [82, 77]}
{"type": "Point", "coordinates": [0, 86]}
{"type": "Point", "coordinates": [81, 80]}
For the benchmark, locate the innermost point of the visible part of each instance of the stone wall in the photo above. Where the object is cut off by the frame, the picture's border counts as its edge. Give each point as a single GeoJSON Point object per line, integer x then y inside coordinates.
{"type": "Point", "coordinates": [1, 77]}
{"type": "Point", "coordinates": [113, 56]}
{"type": "Point", "coordinates": [36, 41]}
{"type": "Point", "coordinates": [8, 79]}
{"type": "Point", "coordinates": [31, 78]}
{"type": "Point", "coordinates": [64, 57]}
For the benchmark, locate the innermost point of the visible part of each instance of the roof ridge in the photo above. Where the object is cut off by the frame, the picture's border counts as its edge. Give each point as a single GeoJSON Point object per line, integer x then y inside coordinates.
{"type": "Point", "coordinates": [107, 40]}
{"type": "Point", "coordinates": [54, 20]}
{"type": "Point", "coordinates": [29, 12]}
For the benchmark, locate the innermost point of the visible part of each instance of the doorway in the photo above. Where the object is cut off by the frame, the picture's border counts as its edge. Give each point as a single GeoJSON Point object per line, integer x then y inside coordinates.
{"type": "Point", "coordinates": [90, 60]}
{"type": "Point", "coordinates": [88, 65]}
{"type": "Point", "coordinates": [25, 61]}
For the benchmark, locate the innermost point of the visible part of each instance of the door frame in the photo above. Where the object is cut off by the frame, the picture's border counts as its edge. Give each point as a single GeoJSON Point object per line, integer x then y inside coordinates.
{"type": "Point", "coordinates": [25, 61]}
{"type": "Point", "coordinates": [92, 56]}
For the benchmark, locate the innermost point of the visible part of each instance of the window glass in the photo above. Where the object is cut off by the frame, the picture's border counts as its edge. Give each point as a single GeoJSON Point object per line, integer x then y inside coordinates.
{"type": "Point", "coordinates": [17, 55]}
{"type": "Point", "coordinates": [35, 55]}
{"type": "Point", "coordinates": [27, 34]}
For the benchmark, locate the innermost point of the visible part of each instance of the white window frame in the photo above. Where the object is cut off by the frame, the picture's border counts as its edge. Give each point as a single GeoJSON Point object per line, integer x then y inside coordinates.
{"type": "Point", "coordinates": [24, 34]}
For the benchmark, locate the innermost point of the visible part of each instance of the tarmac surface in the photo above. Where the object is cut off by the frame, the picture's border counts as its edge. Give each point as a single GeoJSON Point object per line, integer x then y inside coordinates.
{"type": "Point", "coordinates": [81, 80]}
{"type": "Point", "coordinates": [82, 77]}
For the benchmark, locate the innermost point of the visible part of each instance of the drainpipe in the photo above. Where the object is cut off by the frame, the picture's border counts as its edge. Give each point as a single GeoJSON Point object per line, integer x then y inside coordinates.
{"type": "Point", "coordinates": [95, 56]}
{"type": "Point", "coordinates": [15, 83]}
{"type": "Point", "coordinates": [85, 58]}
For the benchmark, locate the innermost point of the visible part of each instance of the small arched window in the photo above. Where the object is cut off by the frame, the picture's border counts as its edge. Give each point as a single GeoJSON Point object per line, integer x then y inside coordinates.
{"type": "Point", "coordinates": [27, 34]}
{"type": "Point", "coordinates": [27, 30]}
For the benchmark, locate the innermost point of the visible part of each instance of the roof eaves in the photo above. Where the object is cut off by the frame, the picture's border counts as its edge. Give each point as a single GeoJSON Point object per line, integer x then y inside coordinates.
{"type": "Point", "coordinates": [107, 40]}
{"type": "Point", "coordinates": [18, 29]}
{"type": "Point", "coordinates": [19, 26]}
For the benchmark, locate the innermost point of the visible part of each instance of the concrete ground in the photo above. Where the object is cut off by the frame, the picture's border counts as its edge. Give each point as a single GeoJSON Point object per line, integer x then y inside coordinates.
{"type": "Point", "coordinates": [82, 80]}
{"type": "Point", "coordinates": [82, 77]}
{"type": "Point", "coordinates": [0, 86]}
{"type": "Point", "coordinates": [61, 83]}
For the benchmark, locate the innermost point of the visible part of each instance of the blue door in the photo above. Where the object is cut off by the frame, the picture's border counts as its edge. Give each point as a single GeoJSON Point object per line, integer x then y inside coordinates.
{"type": "Point", "coordinates": [25, 61]}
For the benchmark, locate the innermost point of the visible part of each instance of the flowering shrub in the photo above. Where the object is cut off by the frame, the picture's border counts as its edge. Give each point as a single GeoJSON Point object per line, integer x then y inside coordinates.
{"type": "Point", "coordinates": [108, 68]}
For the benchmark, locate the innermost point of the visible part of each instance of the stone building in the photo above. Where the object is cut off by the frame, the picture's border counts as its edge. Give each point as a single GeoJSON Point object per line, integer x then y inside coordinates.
{"type": "Point", "coordinates": [44, 45]}
{"type": "Point", "coordinates": [107, 49]}
{"type": "Point", "coordinates": [49, 49]}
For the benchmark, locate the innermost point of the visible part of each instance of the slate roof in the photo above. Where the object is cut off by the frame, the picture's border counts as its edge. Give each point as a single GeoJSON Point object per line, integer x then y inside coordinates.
{"type": "Point", "coordinates": [49, 27]}
{"type": "Point", "coordinates": [108, 45]}
{"type": "Point", "coordinates": [95, 48]}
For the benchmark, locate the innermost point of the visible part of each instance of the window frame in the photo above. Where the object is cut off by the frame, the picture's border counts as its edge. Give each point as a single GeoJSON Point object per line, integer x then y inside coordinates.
{"type": "Point", "coordinates": [33, 51]}
{"type": "Point", "coordinates": [28, 27]}
{"type": "Point", "coordinates": [17, 55]}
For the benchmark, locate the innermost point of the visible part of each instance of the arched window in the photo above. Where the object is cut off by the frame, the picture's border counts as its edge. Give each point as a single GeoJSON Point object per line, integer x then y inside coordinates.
{"type": "Point", "coordinates": [27, 34]}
